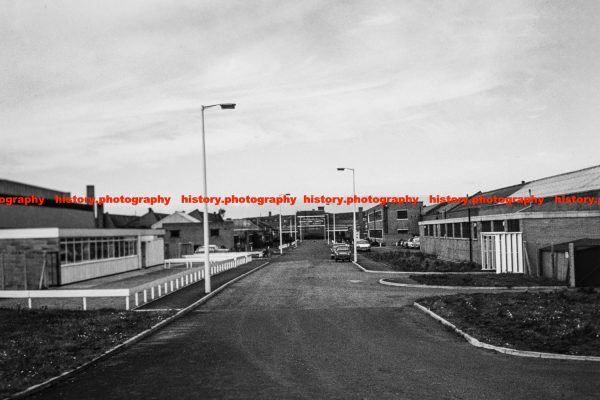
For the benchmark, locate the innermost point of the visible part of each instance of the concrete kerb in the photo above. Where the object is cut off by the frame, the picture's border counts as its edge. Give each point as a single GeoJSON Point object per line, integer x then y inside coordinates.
{"type": "Point", "coordinates": [504, 350]}
{"type": "Point", "coordinates": [419, 272]}
{"type": "Point", "coordinates": [418, 286]}
{"type": "Point", "coordinates": [129, 342]}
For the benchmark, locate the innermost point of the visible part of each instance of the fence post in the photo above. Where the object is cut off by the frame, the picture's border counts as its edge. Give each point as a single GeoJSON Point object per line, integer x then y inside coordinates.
{"type": "Point", "coordinates": [25, 269]}
{"type": "Point", "coordinates": [2, 263]}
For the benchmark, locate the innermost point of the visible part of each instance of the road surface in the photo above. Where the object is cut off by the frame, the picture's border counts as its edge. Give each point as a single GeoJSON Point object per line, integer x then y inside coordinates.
{"type": "Point", "coordinates": [306, 327]}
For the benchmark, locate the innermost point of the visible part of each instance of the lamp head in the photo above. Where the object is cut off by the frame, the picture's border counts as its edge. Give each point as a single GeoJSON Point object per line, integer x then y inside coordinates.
{"type": "Point", "coordinates": [341, 169]}
{"type": "Point", "coordinates": [227, 106]}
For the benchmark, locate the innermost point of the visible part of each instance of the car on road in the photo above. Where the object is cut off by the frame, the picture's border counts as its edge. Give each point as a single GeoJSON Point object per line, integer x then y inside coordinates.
{"type": "Point", "coordinates": [334, 246]}
{"type": "Point", "coordinates": [363, 245]}
{"type": "Point", "coordinates": [342, 253]}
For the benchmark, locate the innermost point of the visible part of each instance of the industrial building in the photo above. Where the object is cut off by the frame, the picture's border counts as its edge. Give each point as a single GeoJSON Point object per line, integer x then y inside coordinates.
{"type": "Point", "coordinates": [58, 243]}
{"type": "Point", "coordinates": [519, 237]}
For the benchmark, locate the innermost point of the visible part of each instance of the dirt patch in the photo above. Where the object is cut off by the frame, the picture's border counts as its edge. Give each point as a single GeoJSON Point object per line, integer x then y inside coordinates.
{"type": "Point", "coordinates": [493, 280]}
{"type": "Point", "coordinates": [36, 345]}
{"type": "Point", "coordinates": [565, 322]}
{"type": "Point", "coordinates": [418, 262]}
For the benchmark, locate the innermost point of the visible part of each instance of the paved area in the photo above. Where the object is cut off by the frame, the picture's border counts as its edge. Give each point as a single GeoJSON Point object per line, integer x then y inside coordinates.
{"type": "Point", "coordinates": [307, 327]}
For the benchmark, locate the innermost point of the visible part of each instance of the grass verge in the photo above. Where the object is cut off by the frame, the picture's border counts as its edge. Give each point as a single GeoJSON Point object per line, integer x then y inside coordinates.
{"type": "Point", "coordinates": [36, 345]}
{"type": "Point", "coordinates": [492, 280]}
{"type": "Point", "coordinates": [418, 262]}
{"type": "Point", "coordinates": [564, 322]}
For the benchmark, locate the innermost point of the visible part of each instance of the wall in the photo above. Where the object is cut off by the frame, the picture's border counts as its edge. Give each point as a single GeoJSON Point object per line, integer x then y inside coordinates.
{"type": "Point", "coordinates": [16, 216]}
{"type": "Point", "coordinates": [20, 258]}
{"type": "Point", "coordinates": [539, 233]}
{"type": "Point", "coordinates": [155, 253]}
{"type": "Point", "coordinates": [390, 223]}
{"type": "Point", "coordinates": [455, 249]}
{"type": "Point", "coordinates": [97, 268]}
{"type": "Point", "coordinates": [193, 233]}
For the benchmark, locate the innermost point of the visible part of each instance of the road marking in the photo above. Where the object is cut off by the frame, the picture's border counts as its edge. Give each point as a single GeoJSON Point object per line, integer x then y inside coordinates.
{"type": "Point", "coordinates": [355, 281]}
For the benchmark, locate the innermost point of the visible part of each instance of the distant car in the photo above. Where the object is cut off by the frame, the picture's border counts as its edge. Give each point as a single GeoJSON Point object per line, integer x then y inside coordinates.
{"type": "Point", "coordinates": [363, 245]}
{"type": "Point", "coordinates": [342, 253]}
{"type": "Point", "coordinates": [335, 246]}
{"type": "Point", "coordinates": [211, 249]}
{"type": "Point", "coordinates": [414, 243]}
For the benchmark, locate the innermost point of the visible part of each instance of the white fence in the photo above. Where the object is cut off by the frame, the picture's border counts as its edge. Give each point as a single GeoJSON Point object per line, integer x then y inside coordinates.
{"type": "Point", "coordinates": [140, 295]}
{"type": "Point", "coordinates": [502, 252]}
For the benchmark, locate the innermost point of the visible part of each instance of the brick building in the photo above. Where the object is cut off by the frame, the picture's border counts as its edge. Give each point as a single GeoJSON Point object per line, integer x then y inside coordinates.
{"type": "Point", "coordinates": [391, 222]}
{"type": "Point", "coordinates": [456, 232]}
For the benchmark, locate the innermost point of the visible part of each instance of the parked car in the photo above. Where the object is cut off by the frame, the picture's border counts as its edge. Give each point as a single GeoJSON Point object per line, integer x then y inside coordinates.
{"type": "Point", "coordinates": [402, 243]}
{"type": "Point", "coordinates": [334, 246]}
{"type": "Point", "coordinates": [342, 253]}
{"type": "Point", "coordinates": [211, 249]}
{"type": "Point", "coordinates": [363, 245]}
{"type": "Point", "coordinates": [414, 243]}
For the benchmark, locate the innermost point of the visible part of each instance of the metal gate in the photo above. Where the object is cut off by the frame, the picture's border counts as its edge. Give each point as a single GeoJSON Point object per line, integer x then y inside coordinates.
{"type": "Point", "coordinates": [502, 252]}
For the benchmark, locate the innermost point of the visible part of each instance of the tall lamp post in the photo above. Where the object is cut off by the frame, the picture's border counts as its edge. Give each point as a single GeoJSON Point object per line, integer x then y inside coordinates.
{"type": "Point", "coordinates": [354, 210]}
{"type": "Point", "coordinates": [280, 229]}
{"type": "Point", "coordinates": [207, 289]}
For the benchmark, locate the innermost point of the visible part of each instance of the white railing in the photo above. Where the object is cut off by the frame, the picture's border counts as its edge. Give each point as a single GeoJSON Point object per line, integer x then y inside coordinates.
{"type": "Point", "coordinates": [141, 294]}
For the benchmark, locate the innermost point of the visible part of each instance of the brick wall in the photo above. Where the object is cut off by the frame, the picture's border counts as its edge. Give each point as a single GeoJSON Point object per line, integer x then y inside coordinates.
{"type": "Point", "coordinates": [194, 233]}
{"type": "Point", "coordinates": [539, 233]}
{"type": "Point", "coordinates": [390, 224]}
{"type": "Point", "coordinates": [21, 262]}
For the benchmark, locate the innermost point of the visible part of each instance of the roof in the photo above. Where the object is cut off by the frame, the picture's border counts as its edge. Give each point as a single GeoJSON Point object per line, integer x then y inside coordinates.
{"type": "Point", "coordinates": [24, 189]}
{"type": "Point", "coordinates": [580, 244]}
{"type": "Point", "coordinates": [178, 216]}
{"type": "Point", "coordinates": [245, 224]}
{"type": "Point", "coordinates": [212, 217]}
{"type": "Point", "coordinates": [118, 220]}
{"type": "Point", "coordinates": [583, 180]}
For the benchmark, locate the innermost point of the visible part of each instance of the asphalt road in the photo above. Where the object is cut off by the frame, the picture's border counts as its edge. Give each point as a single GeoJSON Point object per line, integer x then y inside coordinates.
{"type": "Point", "coordinates": [307, 327]}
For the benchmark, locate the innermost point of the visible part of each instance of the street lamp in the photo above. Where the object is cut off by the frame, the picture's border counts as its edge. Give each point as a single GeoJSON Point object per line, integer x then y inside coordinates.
{"type": "Point", "coordinates": [280, 228]}
{"type": "Point", "coordinates": [354, 212]}
{"type": "Point", "coordinates": [207, 289]}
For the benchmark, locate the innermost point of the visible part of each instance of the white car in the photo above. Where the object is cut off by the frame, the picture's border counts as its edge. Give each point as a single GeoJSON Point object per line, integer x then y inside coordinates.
{"type": "Point", "coordinates": [211, 249]}
{"type": "Point", "coordinates": [363, 245]}
{"type": "Point", "coordinates": [414, 243]}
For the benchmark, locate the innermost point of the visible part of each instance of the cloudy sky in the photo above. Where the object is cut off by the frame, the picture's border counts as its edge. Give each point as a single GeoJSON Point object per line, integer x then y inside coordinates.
{"type": "Point", "coordinates": [444, 97]}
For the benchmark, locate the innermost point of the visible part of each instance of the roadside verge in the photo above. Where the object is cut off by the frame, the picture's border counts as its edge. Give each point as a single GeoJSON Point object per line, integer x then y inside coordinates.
{"type": "Point", "coordinates": [419, 286]}
{"type": "Point", "coordinates": [505, 350]}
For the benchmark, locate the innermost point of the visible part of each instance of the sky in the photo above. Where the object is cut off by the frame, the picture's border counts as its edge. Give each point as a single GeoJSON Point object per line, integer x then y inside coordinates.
{"type": "Point", "coordinates": [420, 97]}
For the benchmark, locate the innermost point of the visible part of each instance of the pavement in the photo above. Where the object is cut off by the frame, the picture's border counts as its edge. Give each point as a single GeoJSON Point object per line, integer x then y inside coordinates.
{"type": "Point", "coordinates": [305, 327]}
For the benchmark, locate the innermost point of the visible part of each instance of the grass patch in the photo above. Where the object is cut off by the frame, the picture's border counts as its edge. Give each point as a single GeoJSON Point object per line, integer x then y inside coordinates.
{"type": "Point", "coordinates": [565, 322]}
{"type": "Point", "coordinates": [493, 280]}
{"type": "Point", "coordinates": [36, 345]}
{"type": "Point", "coordinates": [419, 262]}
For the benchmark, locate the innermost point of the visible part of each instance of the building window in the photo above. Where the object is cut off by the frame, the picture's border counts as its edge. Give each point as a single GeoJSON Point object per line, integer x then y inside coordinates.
{"type": "Point", "coordinates": [376, 233]}
{"type": "Point", "coordinates": [474, 231]}
{"type": "Point", "coordinates": [401, 231]}
{"type": "Point", "coordinates": [486, 226]}
{"type": "Point", "coordinates": [402, 214]}
{"type": "Point", "coordinates": [77, 250]}
{"type": "Point", "coordinates": [449, 231]}
{"type": "Point", "coordinates": [442, 230]}
{"type": "Point", "coordinates": [465, 230]}
{"type": "Point", "coordinates": [175, 234]}
{"type": "Point", "coordinates": [513, 225]}
{"type": "Point", "coordinates": [214, 232]}
{"type": "Point", "coordinates": [498, 226]}
{"type": "Point", "coordinates": [457, 230]}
